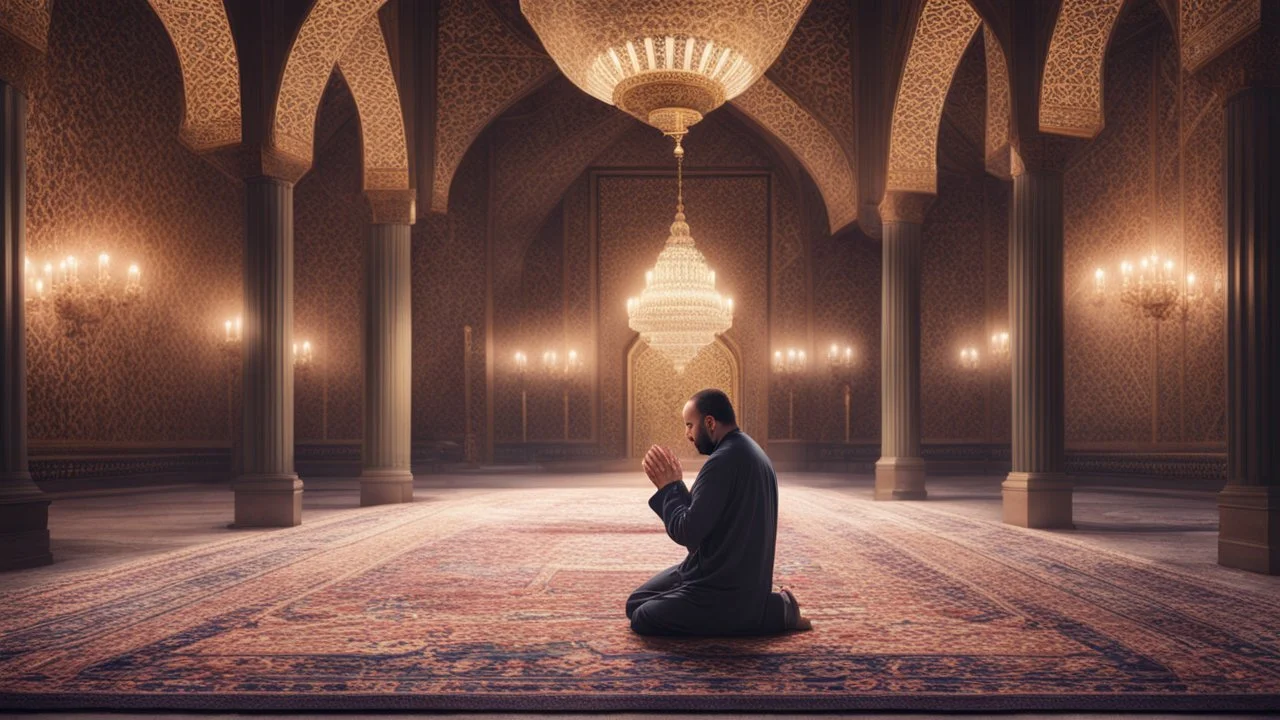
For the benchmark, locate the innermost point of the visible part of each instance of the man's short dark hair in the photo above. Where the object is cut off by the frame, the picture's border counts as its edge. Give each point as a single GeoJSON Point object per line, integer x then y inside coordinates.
{"type": "Point", "coordinates": [716, 404]}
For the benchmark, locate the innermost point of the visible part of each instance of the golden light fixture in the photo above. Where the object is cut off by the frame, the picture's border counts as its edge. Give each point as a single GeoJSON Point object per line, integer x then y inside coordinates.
{"type": "Point", "coordinates": [1151, 289]}
{"type": "Point", "coordinates": [679, 311]}
{"type": "Point", "coordinates": [80, 305]}
{"type": "Point", "coordinates": [666, 62]}
{"type": "Point", "coordinates": [969, 358]}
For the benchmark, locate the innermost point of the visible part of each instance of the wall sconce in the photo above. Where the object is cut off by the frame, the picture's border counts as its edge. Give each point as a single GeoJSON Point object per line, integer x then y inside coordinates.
{"type": "Point", "coordinates": [233, 333]}
{"type": "Point", "coordinates": [81, 306]}
{"type": "Point", "coordinates": [303, 357]}
{"type": "Point", "coordinates": [840, 362]}
{"type": "Point", "coordinates": [567, 372]}
{"type": "Point", "coordinates": [789, 366]}
{"type": "Point", "coordinates": [521, 362]}
{"type": "Point", "coordinates": [1000, 344]}
{"type": "Point", "coordinates": [969, 358]}
{"type": "Point", "coordinates": [1151, 288]}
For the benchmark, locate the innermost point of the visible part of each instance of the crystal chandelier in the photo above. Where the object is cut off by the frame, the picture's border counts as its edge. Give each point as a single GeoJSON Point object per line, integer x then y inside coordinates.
{"type": "Point", "coordinates": [666, 62]}
{"type": "Point", "coordinates": [679, 310]}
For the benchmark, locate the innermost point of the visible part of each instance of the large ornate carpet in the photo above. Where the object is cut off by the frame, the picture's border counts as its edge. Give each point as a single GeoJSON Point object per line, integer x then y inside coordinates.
{"type": "Point", "coordinates": [513, 599]}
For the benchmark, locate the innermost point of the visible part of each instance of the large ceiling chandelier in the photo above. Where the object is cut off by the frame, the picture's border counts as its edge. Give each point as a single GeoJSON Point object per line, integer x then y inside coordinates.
{"type": "Point", "coordinates": [679, 310]}
{"type": "Point", "coordinates": [667, 62]}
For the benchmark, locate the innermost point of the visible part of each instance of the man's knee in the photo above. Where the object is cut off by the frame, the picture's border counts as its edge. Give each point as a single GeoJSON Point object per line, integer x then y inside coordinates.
{"type": "Point", "coordinates": [641, 622]}
{"type": "Point", "coordinates": [634, 602]}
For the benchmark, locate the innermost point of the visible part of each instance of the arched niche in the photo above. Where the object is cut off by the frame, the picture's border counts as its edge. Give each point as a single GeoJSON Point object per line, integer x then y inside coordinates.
{"type": "Point", "coordinates": [655, 394]}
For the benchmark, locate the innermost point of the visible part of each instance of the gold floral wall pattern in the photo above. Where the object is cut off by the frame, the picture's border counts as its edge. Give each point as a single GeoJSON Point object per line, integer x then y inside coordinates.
{"type": "Point", "coordinates": [105, 171]}
{"type": "Point", "coordinates": [366, 67]}
{"type": "Point", "coordinates": [822, 156]}
{"type": "Point", "coordinates": [656, 395]}
{"type": "Point", "coordinates": [482, 68]}
{"type": "Point", "coordinates": [1152, 180]}
{"type": "Point", "coordinates": [1209, 27]}
{"type": "Point", "coordinates": [999, 113]}
{"type": "Point", "coordinates": [327, 31]}
{"type": "Point", "coordinates": [945, 28]}
{"type": "Point", "coordinates": [201, 36]}
{"type": "Point", "coordinates": [27, 20]}
{"type": "Point", "coordinates": [1071, 84]}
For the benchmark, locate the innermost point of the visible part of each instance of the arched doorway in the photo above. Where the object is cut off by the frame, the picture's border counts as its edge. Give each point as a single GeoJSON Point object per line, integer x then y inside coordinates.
{"type": "Point", "coordinates": [656, 394]}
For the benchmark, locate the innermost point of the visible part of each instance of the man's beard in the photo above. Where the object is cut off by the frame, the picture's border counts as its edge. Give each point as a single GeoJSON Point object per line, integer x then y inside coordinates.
{"type": "Point", "coordinates": [702, 440]}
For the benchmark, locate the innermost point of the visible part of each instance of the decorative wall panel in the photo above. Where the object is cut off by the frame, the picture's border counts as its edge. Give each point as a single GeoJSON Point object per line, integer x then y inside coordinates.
{"type": "Point", "coordinates": [657, 396]}
{"type": "Point", "coordinates": [106, 173]}
{"type": "Point", "coordinates": [846, 309]}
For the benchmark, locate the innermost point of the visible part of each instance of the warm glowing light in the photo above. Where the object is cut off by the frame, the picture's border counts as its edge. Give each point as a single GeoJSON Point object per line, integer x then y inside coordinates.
{"type": "Point", "coordinates": [969, 358]}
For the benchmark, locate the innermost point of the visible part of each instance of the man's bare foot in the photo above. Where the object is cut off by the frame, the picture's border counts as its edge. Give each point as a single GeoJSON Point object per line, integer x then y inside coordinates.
{"type": "Point", "coordinates": [801, 623]}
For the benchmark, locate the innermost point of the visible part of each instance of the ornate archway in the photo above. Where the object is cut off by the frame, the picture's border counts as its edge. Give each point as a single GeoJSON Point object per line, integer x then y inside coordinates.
{"type": "Point", "coordinates": [655, 394]}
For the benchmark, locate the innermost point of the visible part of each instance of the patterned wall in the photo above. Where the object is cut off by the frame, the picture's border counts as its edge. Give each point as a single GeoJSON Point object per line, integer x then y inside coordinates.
{"type": "Point", "coordinates": [330, 227]}
{"type": "Point", "coordinates": [106, 172]}
{"type": "Point", "coordinates": [1151, 180]}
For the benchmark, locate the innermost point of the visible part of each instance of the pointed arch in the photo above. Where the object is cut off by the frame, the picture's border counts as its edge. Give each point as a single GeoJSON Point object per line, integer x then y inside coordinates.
{"type": "Point", "coordinates": [201, 36]}
{"type": "Point", "coordinates": [999, 113]}
{"type": "Point", "coordinates": [1071, 83]}
{"type": "Point", "coordinates": [366, 67]}
{"type": "Point", "coordinates": [943, 33]}
{"type": "Point", "coordinates": [327, 31]}
{"type": "Point", "coordinates": [770, 107]}
{"type": "Point", "coordinates": [484, 68]}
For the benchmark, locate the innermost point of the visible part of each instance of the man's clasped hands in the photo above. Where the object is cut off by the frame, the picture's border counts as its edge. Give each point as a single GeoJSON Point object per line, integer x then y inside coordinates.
{"type": "Point", "coordinates": [662, 466]}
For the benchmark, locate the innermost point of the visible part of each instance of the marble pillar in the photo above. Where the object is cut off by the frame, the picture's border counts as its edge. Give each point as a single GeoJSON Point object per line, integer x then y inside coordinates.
{"type": "Point", "coordinates": [268, 493]}
{"type": "Point", "coordinates": [387, 477]}
{"type": "Point", "coordinates": [1249, 505]}
{"type": "Point", "coordinates": [900, 469]}
{"type": "Point", "coordinates": [1036, 493]}
{"type": "Point", "coordinates": [24, 510]}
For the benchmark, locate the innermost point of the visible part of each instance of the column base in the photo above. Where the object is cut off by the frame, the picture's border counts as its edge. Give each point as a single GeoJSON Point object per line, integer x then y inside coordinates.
{"type": "Point", "coordinates": [267, 501]}
{"type": "Point", "coordinates": [24, 517]}
{"type": "Point", "coordinates": [900, 479]}
{"type": "Point", "coordinates": [1037, 500]}
{"type": "Point", "coordinates": [385, 487]}
{"type": "Point", "coordinates": [1249, 528]}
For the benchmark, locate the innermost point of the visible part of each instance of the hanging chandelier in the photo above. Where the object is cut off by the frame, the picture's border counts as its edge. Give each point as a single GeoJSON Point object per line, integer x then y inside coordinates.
{"type": "Point", "coordinates": [666, 62]}
{"type": "Point", "coordinates": [679, 311]}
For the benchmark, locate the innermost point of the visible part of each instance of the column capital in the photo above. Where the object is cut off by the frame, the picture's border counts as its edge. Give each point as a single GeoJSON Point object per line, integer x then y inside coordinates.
{"type": "Point", "coordinates": [1042, 153]}
{"type": "Point", "coordinates": [392, 207]}
{"type": "Point", "coordinates": [905, 206]}
{"type": "Point", "coordinates": [251, 160]}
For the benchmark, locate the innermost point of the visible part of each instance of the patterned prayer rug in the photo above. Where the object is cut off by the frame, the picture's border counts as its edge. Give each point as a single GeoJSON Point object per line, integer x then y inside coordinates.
{"type": "Point", "coordinates": [513, 600]}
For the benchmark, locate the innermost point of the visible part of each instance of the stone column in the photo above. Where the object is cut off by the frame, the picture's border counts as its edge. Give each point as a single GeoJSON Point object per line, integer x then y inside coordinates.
{"type": "Point", "coordinates": [387, 476]}
{"type": "Point", "coordinates": [1037, 493]}
{"type": "Point", "coordinates": [268, 493]}
{"type": "Point", "coordinates": [24, 510]}
{"type": "Point", "coordinates": [1249, 505]}
{"type": "Point", "coordinates": [900, 469]}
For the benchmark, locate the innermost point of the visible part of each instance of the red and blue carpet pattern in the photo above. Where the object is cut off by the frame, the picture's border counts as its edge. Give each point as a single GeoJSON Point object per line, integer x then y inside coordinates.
{"type": "Point", "coordinates": [513, 600]}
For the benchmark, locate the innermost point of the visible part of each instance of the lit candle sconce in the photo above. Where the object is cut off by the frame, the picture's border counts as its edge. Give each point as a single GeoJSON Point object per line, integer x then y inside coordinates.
{"type": "Point", "coordinates": [303, 357]}
{"type": "Point", "coordinates": [789, 366]}
{"type": "Point", "coordinates": [1000, 344]}
{"type": "Point", "coordinates": [80, 306]}
{"type": "Point", "coordinates": [969, 358]}
{"type": "Point", "coordinates": [233, 333]}
{"type": "Point", "coordinates": [521, 362]}
{"type": "Point", "coordinates": [566, 372]}
{"type": "Point", "coordinates": [840, 362]}
{"type": "Point", "coordinates": [1151, 288]}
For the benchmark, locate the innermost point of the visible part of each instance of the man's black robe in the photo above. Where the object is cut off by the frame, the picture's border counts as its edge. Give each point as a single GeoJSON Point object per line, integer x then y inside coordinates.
{"type": "Point", "coordinates": [729, 523]}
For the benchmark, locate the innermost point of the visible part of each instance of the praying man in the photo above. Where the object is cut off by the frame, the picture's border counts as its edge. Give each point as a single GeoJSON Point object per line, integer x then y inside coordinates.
{"type": "Point", "coordinates": [728, 523]}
